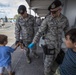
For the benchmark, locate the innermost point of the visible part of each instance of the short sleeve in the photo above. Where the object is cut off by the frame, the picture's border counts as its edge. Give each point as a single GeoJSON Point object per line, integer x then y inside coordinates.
{"type": "Point", "coordinates": [10, 49]}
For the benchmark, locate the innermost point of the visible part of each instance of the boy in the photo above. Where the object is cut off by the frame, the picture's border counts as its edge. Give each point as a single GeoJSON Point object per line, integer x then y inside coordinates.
{"type": "Point", "coordinates": [5, 55]}
{"type": "Point", "coordinates": [68, 67]}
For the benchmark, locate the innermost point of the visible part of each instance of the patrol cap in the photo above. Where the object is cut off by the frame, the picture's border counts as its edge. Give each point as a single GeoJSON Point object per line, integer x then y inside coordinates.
{"type": "Point", "coordinates": [55, 4]}
{"type": "Point", "coordinates": [21, 9]}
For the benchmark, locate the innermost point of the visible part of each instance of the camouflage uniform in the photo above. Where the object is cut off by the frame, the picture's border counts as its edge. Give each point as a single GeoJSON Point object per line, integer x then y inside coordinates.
{"type": "Point", "coordinates": [26, 28]}
{"type": "Point", "coordinates": [53, 37]}
{"type": "Point", "coordinates": [57, 71]}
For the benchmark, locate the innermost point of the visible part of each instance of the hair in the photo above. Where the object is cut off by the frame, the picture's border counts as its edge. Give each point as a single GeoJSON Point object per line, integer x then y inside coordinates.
{"type": "Point", "coordinates": [72, 34]}
{"type": "Point", "coordinates": [3, 38]}
{"type": "Point", "coordinates": [21, 9]}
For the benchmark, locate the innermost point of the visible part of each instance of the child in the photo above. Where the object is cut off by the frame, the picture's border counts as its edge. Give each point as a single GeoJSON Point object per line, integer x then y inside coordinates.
{"type": "Point", "coordinates": [5, 55]}
{"type": "Point", "coordinates": [68, 67]}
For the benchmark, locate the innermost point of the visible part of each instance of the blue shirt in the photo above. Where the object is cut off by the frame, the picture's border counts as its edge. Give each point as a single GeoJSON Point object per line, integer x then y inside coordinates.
{"type": "Point", "coordinates": [68, 67]}
{"type": "Point", "coordinates": [5, 55]}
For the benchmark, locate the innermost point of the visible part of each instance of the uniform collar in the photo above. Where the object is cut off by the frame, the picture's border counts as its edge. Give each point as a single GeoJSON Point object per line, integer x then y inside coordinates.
{"type": "Point", "coordinates": [28, 16]}
{"type": "Point", "coordinates": [58, 18]}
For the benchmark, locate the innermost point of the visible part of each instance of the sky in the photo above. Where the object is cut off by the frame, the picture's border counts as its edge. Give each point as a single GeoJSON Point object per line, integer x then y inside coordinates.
{"type": "Point", "coordinates": [9, 7]}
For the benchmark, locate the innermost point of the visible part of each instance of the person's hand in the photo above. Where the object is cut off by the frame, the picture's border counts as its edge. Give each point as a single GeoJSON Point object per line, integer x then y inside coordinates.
{"type": "Point", "coordinates": [21, 46]}
{"type": "Point", "coordinates": [16, 42]}
{"type": "Point", "coordinates": [31, 45]}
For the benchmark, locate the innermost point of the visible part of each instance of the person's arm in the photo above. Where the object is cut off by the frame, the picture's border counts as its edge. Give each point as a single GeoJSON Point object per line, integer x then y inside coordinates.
{"type": "Point", "coordinates": [17, 31]}
{"type": "Point", "coordinates": [34, 26]}
{"type": "Point", "coordinates": [12, 49]}
{"type": "Point", "coordinates": [19, 44]}
{"type": "Point", "coordinates": [42, 28]}
{"type": "Point", "coordinates": [16, 46]}
{"type": "Point", "coordinates": [38, 34]}
{"type": "Point", "coordinates": [66, 28]}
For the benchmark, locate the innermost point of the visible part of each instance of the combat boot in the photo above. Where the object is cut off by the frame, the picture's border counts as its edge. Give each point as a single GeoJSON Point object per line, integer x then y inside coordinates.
{"type": "Point", "coordinates": [28, 60]}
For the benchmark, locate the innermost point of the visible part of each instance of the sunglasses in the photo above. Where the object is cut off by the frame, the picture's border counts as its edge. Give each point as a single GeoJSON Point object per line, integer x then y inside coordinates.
{"type": "Point", "coordinates": [21, 13]}
{"type": "Point", "coordinates": [54, 12]}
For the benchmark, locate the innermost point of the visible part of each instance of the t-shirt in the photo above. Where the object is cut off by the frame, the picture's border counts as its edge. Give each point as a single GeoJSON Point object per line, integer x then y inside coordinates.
{"type": "Point", "coordinates": [5, 55]}
{"type": "Point", "coordinates": [68, 67]}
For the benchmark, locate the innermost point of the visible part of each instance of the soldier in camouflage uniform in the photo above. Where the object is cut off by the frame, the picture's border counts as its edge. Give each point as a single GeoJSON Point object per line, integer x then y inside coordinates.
{"type": "Point", "coordinates": [25, 25]}
{"type": "Point", "coordinates": [54, 25]}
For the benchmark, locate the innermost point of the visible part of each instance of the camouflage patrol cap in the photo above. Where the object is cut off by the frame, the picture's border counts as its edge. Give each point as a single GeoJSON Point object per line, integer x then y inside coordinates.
{"type": "Point", "coordinates": [21, 9]}
{"type": "Point", "coordinates": [55, 4]}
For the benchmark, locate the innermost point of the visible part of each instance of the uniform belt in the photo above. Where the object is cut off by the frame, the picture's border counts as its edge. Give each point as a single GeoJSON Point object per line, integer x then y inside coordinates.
{"type": "Point", "coordinates": [48, 51]}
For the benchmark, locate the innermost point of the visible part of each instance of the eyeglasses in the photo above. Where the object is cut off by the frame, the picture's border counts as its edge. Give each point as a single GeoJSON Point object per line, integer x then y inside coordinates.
{"type": "Point", "coordinates": [54, 12]}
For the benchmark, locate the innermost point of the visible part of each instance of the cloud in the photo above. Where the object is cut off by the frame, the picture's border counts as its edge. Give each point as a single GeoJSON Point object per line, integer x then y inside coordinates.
{"type": "Point", "coordinates": [9, 7]}
{"type": "Point", "coordinates": [4, 5]}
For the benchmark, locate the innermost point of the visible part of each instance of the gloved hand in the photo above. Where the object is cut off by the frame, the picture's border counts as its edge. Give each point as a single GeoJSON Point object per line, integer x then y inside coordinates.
{"type": "Point", "coordinates": [16, 42]}
{"type": "Point", "coordinates": [31, 45]}
{"type": "Point", "coordinates": [22, 45]}
{"type": "Point", "coordinates": [21, 41]}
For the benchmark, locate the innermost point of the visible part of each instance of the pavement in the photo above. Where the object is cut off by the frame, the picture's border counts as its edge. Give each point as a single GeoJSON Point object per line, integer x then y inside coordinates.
{"type": "Point", "coordinates": [21, 67]}
{"type": "Point", "coordinates": [19, 64]}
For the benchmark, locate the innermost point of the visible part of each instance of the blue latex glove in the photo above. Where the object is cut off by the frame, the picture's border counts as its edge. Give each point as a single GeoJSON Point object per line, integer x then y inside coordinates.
{"type": "Point", "coordinates": [31, 45]}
